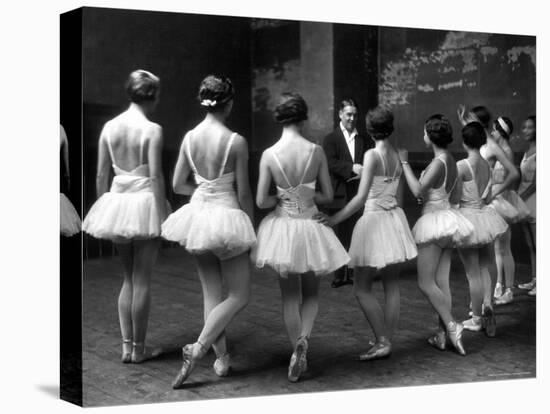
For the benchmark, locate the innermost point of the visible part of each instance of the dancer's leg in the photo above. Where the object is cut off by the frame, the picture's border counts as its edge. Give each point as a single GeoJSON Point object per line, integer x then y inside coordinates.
{"type": "Point", "coordinates": [210, 275]}
{"type": "Point", "coordinates": [145, 255]}
{"type": "Point", "coordinates": [236, 272]}
{"type": "Point", "coordinates": [430, 267]}
{"type": "Point", "coordinates": [125, 298]}
{"type": "Point", "coordinates": [390, 280]}
{"type": "Point", "coordinates": [310, 302]}
{"type": "Point", "coordinates": [290, 297]}
{"type": "Point", "coordinates": [362, 289]}
{"type": "Point", "coordinates": [470, 259]}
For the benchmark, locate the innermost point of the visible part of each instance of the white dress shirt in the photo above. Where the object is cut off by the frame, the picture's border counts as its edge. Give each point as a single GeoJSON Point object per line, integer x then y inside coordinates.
{"type": "Point", "coordinates": [350, 140]}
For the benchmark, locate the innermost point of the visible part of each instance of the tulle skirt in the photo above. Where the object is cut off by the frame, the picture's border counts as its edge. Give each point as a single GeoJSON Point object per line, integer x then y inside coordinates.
{"type": "Point", "coordinates": [380, 238]}
{"type": "Point", "coordinates": [442, 227]}
{"type": "Point", "coordinates": [290, 244]}
{"type": "Point", "coordinates": [122, 217]}
{"type": "Point", "coordinates": [511, 207]}
{"type": "Point", "coordinates": [210, 227]}
{"type": "Point", "coordinates": [69, 219]}
{"type": "Point", "coordinates": [488, 225]}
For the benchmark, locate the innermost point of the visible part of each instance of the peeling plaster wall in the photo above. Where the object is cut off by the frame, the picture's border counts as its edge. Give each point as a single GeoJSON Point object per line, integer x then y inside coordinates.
{"type": "Point", "coordinates": [290, 56]}
{"type": "Point", "coordinates": [429, 71]}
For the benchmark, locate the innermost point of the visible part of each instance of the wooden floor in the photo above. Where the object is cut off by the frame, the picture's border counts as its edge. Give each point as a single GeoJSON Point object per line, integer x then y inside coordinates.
{"type": "Point", "coordinates": [260, 348]}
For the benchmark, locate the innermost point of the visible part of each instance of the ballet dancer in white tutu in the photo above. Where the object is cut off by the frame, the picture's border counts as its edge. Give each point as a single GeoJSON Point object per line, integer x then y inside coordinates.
{"type": "Point", "coordinates": [528, 192]}
{"type": "Point", "coordinates": [381, 237]}
{"type": "Point", "coordinates": [216, 225]}
{"type": "Point", "coordinates": [290, 242]}
{"type": "Point", "coordinates": [492, 152]}
{"type": "Point", "coordinates": [131, 211]}
{"type": "Point", "coordinates": [438, 225]}
{"type": "Point", "coordinates": [512, 209]}
{"type": "Point", "coordinates": [69, 219]}
{"type": "Point", "coordinates": [474, 180]}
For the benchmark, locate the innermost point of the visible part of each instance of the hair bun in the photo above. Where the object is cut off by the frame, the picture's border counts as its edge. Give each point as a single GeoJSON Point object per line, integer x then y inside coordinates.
{"type": "Point", "coordinates": [292, 108]}
{"type": "Point", "coordinates": [215, 91]}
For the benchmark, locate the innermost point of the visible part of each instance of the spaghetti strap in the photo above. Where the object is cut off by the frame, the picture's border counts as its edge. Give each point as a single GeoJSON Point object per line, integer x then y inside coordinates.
{"type": "Point", "coordinates": [226, 155]}
{"type": "Point", "coordinates": [471, 169]}
{"type": "Point", "coordinates": [108, 141]}
{"type": "Point", "coordinates": [281, 168]}
{"type": "Point", "coordinates": [189, 153]}
{"type": "Point", "coordinates": [397, 165]}
{"type": "Point", "coordinates": [383, 162]}
{"type": "Point", "coordinates": [307, 164]}
{"type": "Point", "coordinates": [444, 166]}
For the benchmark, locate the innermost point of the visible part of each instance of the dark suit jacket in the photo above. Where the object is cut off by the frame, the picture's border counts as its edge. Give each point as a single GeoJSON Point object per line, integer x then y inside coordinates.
{"type": "Point", "coordinates": [340, 166]}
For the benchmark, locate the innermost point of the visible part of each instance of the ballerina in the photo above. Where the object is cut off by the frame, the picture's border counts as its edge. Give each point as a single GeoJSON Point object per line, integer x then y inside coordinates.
{"type": "Point", "coordinates": [290, 242]}
{"type": "Point", "coordinates": [381, 237]}
{"type": "Point", "coordinates": [69, 219]}
{"type": "Point", "coordinates": [512, 208]}
{"type": "Point", "coordinates": [438, 226]}
{"type": "Point", "coordinates": [216, 225]}
{"type": "Point", "coordinates": [474, 174]}
{"type": "Point", "coordinates": [528, 192]}
{"type": "Point", "coordinates": [131, 211]}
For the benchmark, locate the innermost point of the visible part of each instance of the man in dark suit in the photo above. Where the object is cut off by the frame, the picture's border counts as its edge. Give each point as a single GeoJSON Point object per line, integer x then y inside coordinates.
{"type": "Point", "coordinates": [344, 149]}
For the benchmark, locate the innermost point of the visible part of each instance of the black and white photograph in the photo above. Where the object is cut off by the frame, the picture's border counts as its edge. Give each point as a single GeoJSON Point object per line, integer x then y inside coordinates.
{"type": "Point", "coordinates": [291, 206]}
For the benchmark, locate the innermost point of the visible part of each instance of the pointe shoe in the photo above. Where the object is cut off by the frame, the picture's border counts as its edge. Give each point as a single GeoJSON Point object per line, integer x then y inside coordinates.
{"type": "Point", "coordinates": [222, 365]}
{"type": "Point", "coordinates": [298, 360]}
{"type": "Point", "coordinates": [126, 351]}
{"type": "Point", "coordinates": [473, 324]}
{"type": "Point", "coordinates": [189, 361]}
{"type": "Point", "coordinates": [498, 290]}
{"type": "Point", "coordinates": [489, 322]}
{"type": "Point", "coordinates": [529, 285]}
{"type": "Point", "coordinates": [505, 298]}
{"type": "Point", "coordinates": [142, 353]}
{"type": "Point", "coordinates": [380, 349]}
{"type": "Point", "coordinates": [438, 340]}
{"type": "Point", "coordinates": [454, 333]}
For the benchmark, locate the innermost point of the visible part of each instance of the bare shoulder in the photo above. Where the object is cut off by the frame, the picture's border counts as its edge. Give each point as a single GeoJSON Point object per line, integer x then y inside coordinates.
{"type": "Point", "coordinates": [370, 156]}
{"type": "Point", "coordinates": [240, 145]}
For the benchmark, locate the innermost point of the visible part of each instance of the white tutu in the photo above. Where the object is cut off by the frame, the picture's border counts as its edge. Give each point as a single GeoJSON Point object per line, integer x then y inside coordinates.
{"type": "Point", "coordinates": [297, 245]}
{"type": "Point", "coordinates": [441, 227]}
{"type": "Point", "coordinates": [69, 219]}
{"type": "Point", "coordinates": [381, 238]}
{"type": "Point", "coordinates": [488, 225]}
{"type": "Point", "coordinates": [209, 227]}
{"type": "Point", "coordinates": [515, 200]}
{"type": "Point", "coordinates": [128, 211]}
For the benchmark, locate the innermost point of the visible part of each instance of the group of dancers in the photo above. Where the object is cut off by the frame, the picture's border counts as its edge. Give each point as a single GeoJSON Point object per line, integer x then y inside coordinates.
{"type": "Point", "coordinates": [466, 205]}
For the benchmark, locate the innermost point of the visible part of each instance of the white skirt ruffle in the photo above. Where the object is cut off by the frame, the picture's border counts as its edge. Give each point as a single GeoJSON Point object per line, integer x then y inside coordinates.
{"type": "Point", "coordinates": [297, 245]}
{"type": "Point", "coordinates": [488, 225]}
{"type": "Point", "coordinates": [441, 227]}
{"type": "Point", "coordinates": [69, 219]}
{"type": "Point", "coordinates": [203, 227]}
{"type": "Point", "coordinates": [122, 217]}
{"type": "Point", "coordinates": [381, 238]}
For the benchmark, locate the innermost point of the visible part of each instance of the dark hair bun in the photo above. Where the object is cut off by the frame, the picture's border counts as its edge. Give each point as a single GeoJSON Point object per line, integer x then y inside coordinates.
{"type": "Point", "coordinates": [473, 135]}
{"type": "Point", "coordinates": [483, 114]}
{"type": "Point", "coordinates": [291, 109]}
{"type": "Point", "coordinates": [214, 92]}
{"type": "Point", "coordinates": [142, 86]}
{"type": "Point", "coordinates": [379, 122]}
{"type": "Point", "coordinates": [439, 130]}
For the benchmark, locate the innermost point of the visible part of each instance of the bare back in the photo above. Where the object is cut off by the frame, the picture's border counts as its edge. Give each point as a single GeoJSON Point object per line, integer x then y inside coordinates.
{"type": "Point", "coordinates": [128, 136]}
{"type": "Point", "coordinates": [293, 156]}
{"type": "Point", "coordinates": [481, 170]}
{"type": "Point", "coordinates": [207, 146]}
